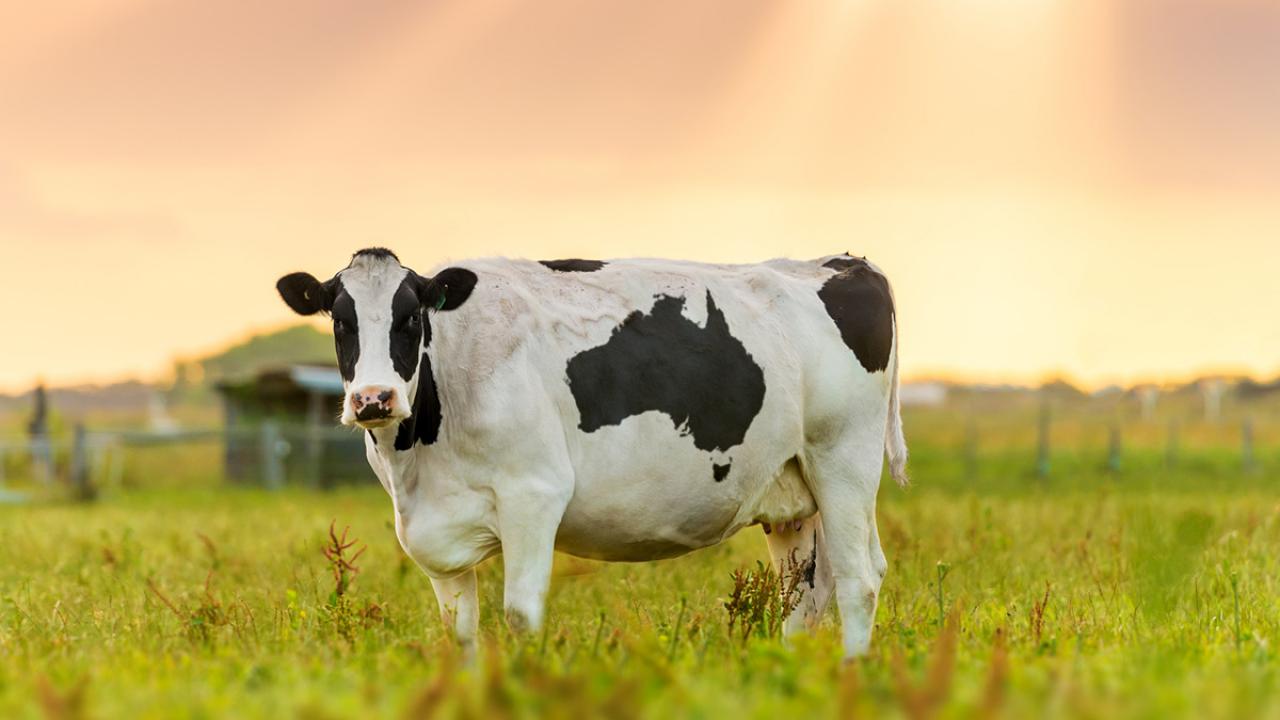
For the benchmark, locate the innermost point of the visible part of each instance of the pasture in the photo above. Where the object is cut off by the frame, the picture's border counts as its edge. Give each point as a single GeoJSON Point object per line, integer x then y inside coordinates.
{"type": "Point", "coordinates": [1145, 590]}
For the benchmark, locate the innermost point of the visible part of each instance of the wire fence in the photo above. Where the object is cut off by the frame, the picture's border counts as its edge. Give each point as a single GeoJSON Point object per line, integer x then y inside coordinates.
{"type": "Point", "coordinates": [1083, 444]}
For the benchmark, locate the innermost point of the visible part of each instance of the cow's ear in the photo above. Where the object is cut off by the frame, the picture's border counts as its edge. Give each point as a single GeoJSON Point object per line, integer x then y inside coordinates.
{"type": "Point", "coordinates": [304, 294]}
{"type": "Point", "coordinates": [448, 289]}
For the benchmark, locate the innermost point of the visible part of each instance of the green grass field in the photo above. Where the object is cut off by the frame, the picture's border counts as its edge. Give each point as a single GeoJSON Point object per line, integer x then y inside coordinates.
{"type": "Point", "coordinates": [1107, 601]}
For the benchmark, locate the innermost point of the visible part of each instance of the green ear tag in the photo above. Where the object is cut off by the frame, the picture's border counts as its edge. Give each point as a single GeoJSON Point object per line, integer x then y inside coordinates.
{"type": "Point", "coordinates": [440, 302]}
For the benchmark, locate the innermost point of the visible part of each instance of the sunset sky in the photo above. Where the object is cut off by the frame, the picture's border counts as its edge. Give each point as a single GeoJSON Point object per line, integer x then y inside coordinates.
{"type": "Point", "coordinates": [1071, 187]}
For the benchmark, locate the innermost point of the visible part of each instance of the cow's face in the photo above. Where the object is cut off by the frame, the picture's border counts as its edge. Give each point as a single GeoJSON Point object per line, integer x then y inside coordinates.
{"type": "Point", "coordinates": [380, 328]}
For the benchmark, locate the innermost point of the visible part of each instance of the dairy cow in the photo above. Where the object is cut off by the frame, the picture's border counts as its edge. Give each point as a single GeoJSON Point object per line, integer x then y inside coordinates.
{"type": "Point", "coordinates": [623, 410]}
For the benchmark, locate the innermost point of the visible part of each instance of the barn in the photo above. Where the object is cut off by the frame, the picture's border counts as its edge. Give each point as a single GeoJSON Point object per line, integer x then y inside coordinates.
{"type": "Point", "coordinates": [281, 428]}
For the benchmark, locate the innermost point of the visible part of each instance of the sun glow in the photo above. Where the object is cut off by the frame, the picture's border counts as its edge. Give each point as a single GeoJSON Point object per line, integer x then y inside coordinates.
{"type": "Point", "coordinates": [1042, 198]}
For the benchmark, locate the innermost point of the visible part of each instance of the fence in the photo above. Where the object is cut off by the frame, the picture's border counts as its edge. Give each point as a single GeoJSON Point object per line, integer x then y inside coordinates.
{"type": "Point", "coordinates": [1086, 443]}
{"type": "Point", "coordinates": [1008, 446]}
{"type": "Point", "coordinates": [271, 455]}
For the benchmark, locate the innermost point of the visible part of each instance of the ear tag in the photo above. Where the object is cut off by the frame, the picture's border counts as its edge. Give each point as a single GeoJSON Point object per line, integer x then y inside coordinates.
{"type": "Point", "coordinates": [440, 302]}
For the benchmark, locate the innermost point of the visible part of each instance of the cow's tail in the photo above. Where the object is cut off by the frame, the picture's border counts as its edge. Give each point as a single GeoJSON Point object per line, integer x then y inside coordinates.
{"type": "Point", "coordinates": [895, 445]}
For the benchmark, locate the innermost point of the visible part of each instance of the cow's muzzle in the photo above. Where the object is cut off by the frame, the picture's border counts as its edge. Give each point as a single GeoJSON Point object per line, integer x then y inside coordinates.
{"type": "Point", "coordinates": [374, 406]}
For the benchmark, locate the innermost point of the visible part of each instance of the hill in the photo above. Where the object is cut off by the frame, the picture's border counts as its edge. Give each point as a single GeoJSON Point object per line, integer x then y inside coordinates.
{"type": "Point", "coordinates": [300, 344]}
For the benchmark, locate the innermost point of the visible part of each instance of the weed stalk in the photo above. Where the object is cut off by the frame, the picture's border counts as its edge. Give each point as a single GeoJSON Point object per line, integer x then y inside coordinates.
{"type": "Point", "coordinates": [675, 634]}
{"type": "Point", "coordinates": [943, 569]}
{"type": "Point", "coordinates": [1235, 596]}
{"type": "Point", "coordinates": [595, 645]}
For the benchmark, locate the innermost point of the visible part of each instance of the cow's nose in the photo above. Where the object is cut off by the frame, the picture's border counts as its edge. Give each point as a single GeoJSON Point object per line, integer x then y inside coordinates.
{"type": "Point", "coordinates": [373, 402]}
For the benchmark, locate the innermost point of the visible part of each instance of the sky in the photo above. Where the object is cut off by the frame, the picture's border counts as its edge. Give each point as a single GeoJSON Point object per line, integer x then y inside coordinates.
{"type": "Point", "coordinates": [1086, 188]}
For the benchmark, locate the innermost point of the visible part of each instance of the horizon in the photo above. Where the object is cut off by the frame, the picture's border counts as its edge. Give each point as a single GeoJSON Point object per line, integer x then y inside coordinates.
{"type": "Point", "coordinates": [164, 376]}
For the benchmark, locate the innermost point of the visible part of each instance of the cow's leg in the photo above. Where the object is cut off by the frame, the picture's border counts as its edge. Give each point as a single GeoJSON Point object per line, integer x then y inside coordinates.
{"type": "Point", "coordinates": [459, 607]}
{"type": "Point", "coordinates": [527, 526]}
{"type": "Point", "coordinates": [844, 480]}
{"type": "Point", "coordinates": [879, 563]}
{"type": "Point", "coordinates": [799, 546]}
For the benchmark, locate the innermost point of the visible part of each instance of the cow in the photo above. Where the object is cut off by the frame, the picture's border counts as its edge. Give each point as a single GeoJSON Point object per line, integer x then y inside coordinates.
{"type": "Point", "coordinates": [622, 410]}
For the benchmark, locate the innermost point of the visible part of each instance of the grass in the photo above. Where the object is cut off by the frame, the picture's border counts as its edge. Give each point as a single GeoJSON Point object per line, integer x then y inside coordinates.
{"type": "Point", "coordinates": [1103, 602]}
{"type": "Point", "coordinates": [1143, 589]}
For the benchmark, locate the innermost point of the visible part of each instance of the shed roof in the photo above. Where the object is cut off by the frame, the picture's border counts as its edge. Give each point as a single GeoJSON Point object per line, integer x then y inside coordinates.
{"type": "Point", "coordinates": [317, 379]}
{"type": "Point", "coordinates": [288, 380]}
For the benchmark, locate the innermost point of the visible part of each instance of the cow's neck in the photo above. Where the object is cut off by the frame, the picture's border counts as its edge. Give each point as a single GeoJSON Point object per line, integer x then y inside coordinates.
{"type": "Point", "coordinates": [397, 450]}
{"type": "Point", "coordinates": [398, 469]}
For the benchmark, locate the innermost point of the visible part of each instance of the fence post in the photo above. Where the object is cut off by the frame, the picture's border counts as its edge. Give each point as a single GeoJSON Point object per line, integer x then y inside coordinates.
{"type": "Point", "coordinates": [81, 488]}
{"type": "Point", "coordinates": [40, 444]}
{"type": "Point", "coordinates": [272, 452]}
{"type": "Point", "coordinates": [1171, 446]}
{"type": "Point", "coordinates": [1113, 449]}
{"type": "Point", "coordinates": [1246, 445]}
{"type": "Point", "coordinates": [1042, 443]}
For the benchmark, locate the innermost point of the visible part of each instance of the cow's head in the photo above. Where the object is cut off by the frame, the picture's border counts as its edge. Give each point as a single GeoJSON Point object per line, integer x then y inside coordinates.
{"type": "Point", "coordinates": [380, 328]}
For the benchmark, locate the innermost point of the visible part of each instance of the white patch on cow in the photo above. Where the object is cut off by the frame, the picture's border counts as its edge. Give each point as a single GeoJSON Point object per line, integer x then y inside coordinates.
{"type": "Point", "coordinates": [372, 281]}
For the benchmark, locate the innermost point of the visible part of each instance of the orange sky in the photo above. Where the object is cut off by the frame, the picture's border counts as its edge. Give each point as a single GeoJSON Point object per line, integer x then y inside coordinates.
{"type": "Point", "coordinates": [1053, 186]}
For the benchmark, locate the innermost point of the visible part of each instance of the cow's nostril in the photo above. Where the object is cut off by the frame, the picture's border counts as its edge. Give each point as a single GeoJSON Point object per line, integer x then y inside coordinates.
{"type": "Point", "coordinates": [384, 396]}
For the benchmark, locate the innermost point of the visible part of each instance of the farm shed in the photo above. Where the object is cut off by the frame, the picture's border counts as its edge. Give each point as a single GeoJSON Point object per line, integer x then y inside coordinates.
{"type": "Point", "coordinates": [281, 426]}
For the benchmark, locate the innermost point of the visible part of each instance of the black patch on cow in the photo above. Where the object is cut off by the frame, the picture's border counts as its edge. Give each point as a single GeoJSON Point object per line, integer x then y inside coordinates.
{"type": "Point", "coordinates": [858, 301]}
{"type": "Point", "coordinates": [720, 472]}
{"type": "Point", "coordinates": [573, 265]}
{"type": "Point", "coordinates": [346, 338]}
{"type": "Point", "coordinates": [377, 252]}
{"type": "Point", "coordinates": [424, 424]}
{"type": "Point", "coordinates": [306, 295]}
{"type": "Point", "coordinates": [844, 262]}
{"type": "Point", "coordinates": [448, 289]}
{"type": "Point", "coordinates": [406, 328]}
{"type": "Point", "coordinates": [701, 377]}
{"type": "Point", "coordinates": [372, 437]}
{"type": "Point", "coordinates": [373, 412]}
{"type": "Point", "coordinates": [811, 567]}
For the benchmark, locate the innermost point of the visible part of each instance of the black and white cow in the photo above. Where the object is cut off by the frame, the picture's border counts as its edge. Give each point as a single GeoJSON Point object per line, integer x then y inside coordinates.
{"type": "Point", "coordinates": [622, 410]}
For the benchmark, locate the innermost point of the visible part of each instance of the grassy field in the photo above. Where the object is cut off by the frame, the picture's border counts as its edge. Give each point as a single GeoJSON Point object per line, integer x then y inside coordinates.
{"type": "Point", "coordinates": [1143, 588]}
{"type": "Point", "coordinates": [1114, 600]}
